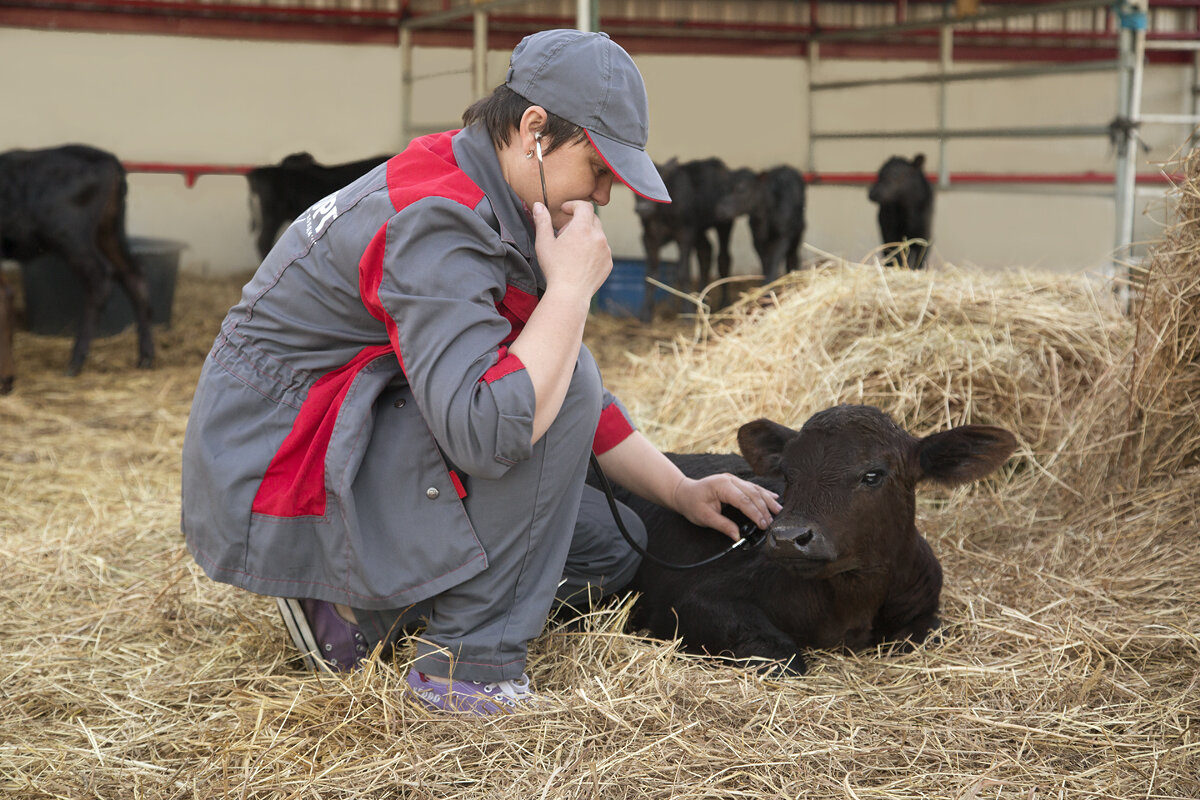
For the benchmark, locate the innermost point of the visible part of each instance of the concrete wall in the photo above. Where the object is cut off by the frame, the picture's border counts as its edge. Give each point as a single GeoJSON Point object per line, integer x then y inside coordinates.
{"type": "Point", "coordinates": [178, 99]}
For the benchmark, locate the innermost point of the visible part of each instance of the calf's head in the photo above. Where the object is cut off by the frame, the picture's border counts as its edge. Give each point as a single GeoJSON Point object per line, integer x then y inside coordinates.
{"type": "Point", "coordinates": [897, 179]}
{"type": "Point", "coordinates": [745, 187]}
{"type": "Point", "coordinates": [850, 476]}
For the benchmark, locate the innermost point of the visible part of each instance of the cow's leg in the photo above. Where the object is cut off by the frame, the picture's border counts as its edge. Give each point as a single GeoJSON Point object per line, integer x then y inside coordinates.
{"type": "Point", "coordinates": [128, 273]}
{"type": "Point", "coordinates": [735, 629]}
{"type": "Point", "coordinates": [688, 243]}
{"type": "Point", "coordinates": [652, 271]}
{"type": "Point", "coordinates": [916, 254]}
{"type": "Point", "coordinates": [119, 263]}
{"type": "Point", "coordinates": [724, 259]}
{"type": "Point", "coordinates": [891, 230]}
{"type": "Point", "coordinates": [776, 252]}
{"type": "Point", "coordinates": [793, 253]}
{"type": "Point", "coordinates": [97, 283]}
{"type": "Point", "coordinates": [268, 235]}
{"type": "Point", "coordinates": [704, 256]}
{"type": "Point", "coordinates": [8, 364]}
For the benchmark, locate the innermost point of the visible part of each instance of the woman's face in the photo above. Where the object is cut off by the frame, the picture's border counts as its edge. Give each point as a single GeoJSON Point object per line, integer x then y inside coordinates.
{"type": "Point", "coordinates": [574, 171]}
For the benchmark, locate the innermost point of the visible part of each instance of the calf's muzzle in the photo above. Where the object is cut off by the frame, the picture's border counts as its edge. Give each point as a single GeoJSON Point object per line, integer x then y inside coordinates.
{"type": "Point", "coordinates": [803, 541]}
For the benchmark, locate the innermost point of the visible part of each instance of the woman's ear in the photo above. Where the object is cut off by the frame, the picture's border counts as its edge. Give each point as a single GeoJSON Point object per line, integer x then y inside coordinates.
{"type": "Point", "coordinates": [532, 122]}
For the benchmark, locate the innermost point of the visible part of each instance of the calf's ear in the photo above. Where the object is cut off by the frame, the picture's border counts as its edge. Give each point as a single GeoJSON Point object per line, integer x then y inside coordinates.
{"type": "Point", "coordinates": [964, 454]}
{"type": "Point", "coordinates": [761, 443]}
{"type": "Point", "coordinates": [919, 160]}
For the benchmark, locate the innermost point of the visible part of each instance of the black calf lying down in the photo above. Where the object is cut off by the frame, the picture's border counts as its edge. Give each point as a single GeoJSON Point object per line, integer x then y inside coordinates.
{"type": "Point", "coordinates": [843, 565]}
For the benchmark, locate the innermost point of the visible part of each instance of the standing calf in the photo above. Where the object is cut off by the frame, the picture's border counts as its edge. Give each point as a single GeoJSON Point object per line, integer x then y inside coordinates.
{"type": "Point", "coordinates": [695, 187]}
{"type": "Point", "coordinates": [281, 193]}
{"type": "Point", "coordinates": [905, 199]}
{"type": "Point", "coordinates": [774, 201]}
{"type": "Point", "coordinates": [71, 201]}
{"type": "Point", "coordinates": [842, 565]}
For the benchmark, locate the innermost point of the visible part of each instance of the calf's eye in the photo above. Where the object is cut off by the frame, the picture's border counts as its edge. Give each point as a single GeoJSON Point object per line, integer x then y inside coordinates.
{"type": "Point", "coordinates": [873, 477]}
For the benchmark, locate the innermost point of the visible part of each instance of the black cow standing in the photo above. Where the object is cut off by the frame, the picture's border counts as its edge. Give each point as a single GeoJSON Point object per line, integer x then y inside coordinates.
{"type": "Point", "coordinates": [280, 193]}
{"type": "Point", "coordinates": [70, 201]}
{"type": "Point", "coordinates": [695, 188]}
{"type": "Point", "coordinates": [842, 565]}
{"type": "Point", "coordinates": [905, 199]}
{"type": "Point", "coordinates": [774, 203]}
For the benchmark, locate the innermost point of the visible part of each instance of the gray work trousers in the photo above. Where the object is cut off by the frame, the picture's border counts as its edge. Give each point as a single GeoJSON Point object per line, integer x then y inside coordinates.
{"type": "Point", "coordinates": [546, 535]}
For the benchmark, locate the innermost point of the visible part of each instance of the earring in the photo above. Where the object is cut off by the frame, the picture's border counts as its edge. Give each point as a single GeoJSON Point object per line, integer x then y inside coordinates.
{"type": "Point", "coordinates": [529, 154]}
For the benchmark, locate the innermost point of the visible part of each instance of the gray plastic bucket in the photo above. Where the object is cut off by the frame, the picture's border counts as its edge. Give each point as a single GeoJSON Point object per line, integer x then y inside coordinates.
{"type": "Point", "coordinates": [54, 293]}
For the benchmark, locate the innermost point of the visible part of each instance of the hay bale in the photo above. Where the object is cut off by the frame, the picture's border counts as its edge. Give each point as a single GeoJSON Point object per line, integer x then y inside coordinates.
{"type": "Point", "coordinates": [1165, 382]}
{"type": "Point", "coordinates": [1041, 354]}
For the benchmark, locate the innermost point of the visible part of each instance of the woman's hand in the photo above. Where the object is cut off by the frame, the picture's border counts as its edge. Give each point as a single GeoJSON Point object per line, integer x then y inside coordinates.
{"type": "Point", "coordinates": [700, 501]}
{"type": "Point", "coordinates": [578, 258]}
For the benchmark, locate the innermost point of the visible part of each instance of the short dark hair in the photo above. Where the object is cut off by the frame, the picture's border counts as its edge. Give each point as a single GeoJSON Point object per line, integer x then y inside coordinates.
{"type": "Point", "coordinates": [500, 113]}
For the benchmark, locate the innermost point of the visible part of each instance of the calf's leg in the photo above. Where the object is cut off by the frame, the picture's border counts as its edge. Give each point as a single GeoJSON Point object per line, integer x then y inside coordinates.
{"type": "Point", "coordinates": [8, 366]}
{"type": "Point", "coordinates": [652, 246]}
{"type": "Point", "coordinates": [129, 274]}
{"type": "Point", "coordinates": [119, 263]}
{"type": "Point", "coordinates": [776, 251]}
{"type": "Point", "coordinates": [724, 260]}
{"type": "Point", "coordinates": [97, 282]}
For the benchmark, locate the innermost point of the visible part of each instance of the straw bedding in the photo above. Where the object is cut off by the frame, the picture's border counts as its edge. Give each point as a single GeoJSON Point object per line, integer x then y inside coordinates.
{"type": "Point", "coordinates": [1069, 666]}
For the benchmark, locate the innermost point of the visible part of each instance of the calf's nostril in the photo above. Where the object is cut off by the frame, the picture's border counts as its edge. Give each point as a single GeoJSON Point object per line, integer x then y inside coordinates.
{"type": "Point", "coordinates": [804, 537]}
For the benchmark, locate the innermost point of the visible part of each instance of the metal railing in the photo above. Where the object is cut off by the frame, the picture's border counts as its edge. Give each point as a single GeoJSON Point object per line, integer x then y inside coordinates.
{"type": "Point", "coordinates": [1129, 41]}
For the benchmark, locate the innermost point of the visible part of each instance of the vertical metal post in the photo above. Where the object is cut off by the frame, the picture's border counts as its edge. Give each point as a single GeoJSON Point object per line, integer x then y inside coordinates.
{"type": "Point", "coordinates": [1195, 104]}
{"type": "Point", "coordinates": [814, 55]}
{"type": "Point", "coordinates": [1132, 56]}
{"type": "Point", "coordinates": [406, 87]}
{"type": "Point", "coordinates": [946, 51]}
{"type": "Point", "coordinates": [583, 15]}
{"type": "Point", "coordinates": [479, 85]}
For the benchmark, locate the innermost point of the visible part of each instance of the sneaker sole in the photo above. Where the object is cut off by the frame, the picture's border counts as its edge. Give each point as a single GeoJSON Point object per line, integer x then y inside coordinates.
{"type": "Point", "coordinates": [302, 636]}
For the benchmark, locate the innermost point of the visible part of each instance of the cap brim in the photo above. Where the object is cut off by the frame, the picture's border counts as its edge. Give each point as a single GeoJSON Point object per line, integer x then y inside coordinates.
{"type": "Point", "coordinates": [632, 167]}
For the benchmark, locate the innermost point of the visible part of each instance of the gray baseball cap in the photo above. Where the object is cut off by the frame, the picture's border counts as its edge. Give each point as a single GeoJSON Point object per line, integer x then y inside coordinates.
{"type": "Point", "coordinates": [588, 79]}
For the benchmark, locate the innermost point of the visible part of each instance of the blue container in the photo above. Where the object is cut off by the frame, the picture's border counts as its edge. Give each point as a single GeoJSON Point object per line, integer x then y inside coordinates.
{"type": "Point", "coordinates": [54, 293]}
{"type": "Point", "coordinates": [623, 291]}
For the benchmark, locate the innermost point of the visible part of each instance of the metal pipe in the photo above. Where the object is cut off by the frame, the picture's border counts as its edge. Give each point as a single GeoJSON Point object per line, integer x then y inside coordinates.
{"type": "Point", "coordinates": [190, 172]}
{"type": "Point", "coordinates": [455, 13]}
{"type": "Point", "coordinates": [988, 16]}
{"type": "Point", "coordinates": [977, 75]}
{"type": "Point", "coordinates": [1132, 56]}
{"type": "Point", "coordinates": [1195, 104]}
{"type": "Point", "coordinates": [479, 56]}
{"type": "Point", "coordinates": [1169, 119]}
{"type": "Point", "coordinates": [975, 133]}
{"type": "Point", "coordinates": [945, 65]}
{"type": "Point", "coordinates": [814, 56]}
{"type": "Point", "coordinates": [961, 179]}
{"type": "Point", "coordinates": [406, 87]}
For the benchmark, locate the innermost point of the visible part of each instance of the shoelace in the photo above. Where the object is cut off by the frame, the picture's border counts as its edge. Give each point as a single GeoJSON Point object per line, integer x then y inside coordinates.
{"type": "Point", "coordinates": [514, 690]}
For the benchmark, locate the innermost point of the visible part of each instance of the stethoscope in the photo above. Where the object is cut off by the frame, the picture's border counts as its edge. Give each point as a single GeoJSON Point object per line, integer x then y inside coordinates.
{"type": "Point", "coordinates": [751, 534]}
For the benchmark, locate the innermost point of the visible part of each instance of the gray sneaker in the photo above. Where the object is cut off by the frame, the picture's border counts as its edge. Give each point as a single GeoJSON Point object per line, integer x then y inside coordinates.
{"type": "Point", "coordinates": [470, 697]}
{"type": "Point", "coordinates": [327, 642]}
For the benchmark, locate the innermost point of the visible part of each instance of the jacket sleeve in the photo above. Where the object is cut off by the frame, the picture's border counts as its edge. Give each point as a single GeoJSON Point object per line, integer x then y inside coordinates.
{"type": "Point", "coordinates": [442, 278]}
{"type": "Point", "coordinates": [615, 424]}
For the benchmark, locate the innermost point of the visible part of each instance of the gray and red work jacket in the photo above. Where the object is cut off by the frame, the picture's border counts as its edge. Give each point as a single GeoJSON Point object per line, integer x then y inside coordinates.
{"type": "Point", "coordinates": [364, 380]}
